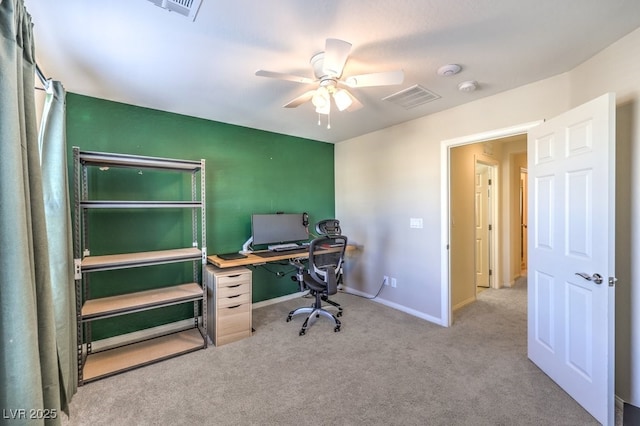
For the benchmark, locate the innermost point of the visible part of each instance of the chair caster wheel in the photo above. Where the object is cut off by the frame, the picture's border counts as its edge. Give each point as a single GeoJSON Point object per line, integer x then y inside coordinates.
{"type": "Point", "coordinates": [302, 332]}
{"type": "Point", "coordinates": [289, 318]}
{"type": "Point", "coordinates": [335, 330]}
{"type": "Point", "coordinates": [339, 314]}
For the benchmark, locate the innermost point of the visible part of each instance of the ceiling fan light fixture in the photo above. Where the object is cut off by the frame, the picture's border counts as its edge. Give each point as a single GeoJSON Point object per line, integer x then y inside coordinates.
{"type": "Point", "coordinates": [342, 99]}
{"type": "Point", "coordinates": [324, 109]}
{"type": "Point", "coordinates": [321, 98]}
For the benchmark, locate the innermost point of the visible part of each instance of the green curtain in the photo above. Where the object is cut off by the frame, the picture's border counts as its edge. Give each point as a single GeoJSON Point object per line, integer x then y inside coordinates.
{"type": "Point", "coordinates": [30, 366]}
{"type": "Point", "coordinates": [53, 155]}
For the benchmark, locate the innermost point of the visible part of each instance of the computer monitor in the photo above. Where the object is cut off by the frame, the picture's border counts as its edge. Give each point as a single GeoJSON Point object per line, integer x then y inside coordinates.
{"type": "Point", "coordinates": [279, 228]}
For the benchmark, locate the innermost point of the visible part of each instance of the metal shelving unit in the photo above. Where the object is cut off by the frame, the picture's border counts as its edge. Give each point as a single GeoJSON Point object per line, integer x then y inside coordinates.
{"type": "Point", "coordinates": [96, 364]}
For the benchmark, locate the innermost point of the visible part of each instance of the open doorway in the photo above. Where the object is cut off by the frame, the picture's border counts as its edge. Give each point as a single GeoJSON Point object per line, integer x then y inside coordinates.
{"type": "Point", "coordinates": [507, 149]}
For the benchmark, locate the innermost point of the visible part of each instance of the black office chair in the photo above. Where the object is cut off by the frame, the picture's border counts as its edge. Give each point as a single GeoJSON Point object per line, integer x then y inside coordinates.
{"type": "Point", "coordinates": [326, 227]}
{"type": "Point", "coordinates": [331, 227]}
{"type": "Point", "coordinates": [326, 255]}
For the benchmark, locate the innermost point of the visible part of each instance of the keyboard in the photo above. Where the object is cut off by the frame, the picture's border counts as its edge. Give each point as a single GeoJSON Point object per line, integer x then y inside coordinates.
{"type": "Point", "coordinates": [283, 247]}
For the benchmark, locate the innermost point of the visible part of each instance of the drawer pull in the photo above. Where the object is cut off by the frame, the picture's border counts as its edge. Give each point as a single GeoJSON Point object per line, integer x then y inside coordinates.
{"type": "Point", "coordinates": [233, 307]}
{"type": "Point", "coordinates": [234, 286]}
{"type": "Point", "coordinates": [231, 297]}
{"type": "Point", "coordinates": [234, 276]}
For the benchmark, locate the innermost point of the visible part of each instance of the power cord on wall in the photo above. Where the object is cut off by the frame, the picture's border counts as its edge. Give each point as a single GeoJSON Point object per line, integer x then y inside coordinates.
{"type": "Point", "coordinates": [365, 297]}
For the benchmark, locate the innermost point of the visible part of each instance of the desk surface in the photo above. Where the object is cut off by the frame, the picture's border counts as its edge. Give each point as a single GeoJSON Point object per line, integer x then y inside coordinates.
{"type": "Point", "coordinates": [254, 259]}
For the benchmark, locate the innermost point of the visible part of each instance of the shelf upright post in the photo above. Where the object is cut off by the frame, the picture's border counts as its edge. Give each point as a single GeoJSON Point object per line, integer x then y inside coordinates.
{"type": "Point", "coordinates": [203, 248]}
{"type": "Point", "coordinates": [77, 254]}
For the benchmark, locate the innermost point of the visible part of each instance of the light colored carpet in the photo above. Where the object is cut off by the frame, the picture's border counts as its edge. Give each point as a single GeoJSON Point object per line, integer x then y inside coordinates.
{"type": "Point", "coordinates": [384, 368]}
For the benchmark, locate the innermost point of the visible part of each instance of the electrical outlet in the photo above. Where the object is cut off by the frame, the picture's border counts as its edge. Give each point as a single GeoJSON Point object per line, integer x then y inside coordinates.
{"type": "Point", "coordinates": [394, 282]}
{"type": "Point", "coordinates": [385, 280]}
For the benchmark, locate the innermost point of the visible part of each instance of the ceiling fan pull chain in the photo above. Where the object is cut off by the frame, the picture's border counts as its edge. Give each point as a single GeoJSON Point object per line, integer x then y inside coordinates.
{"type": "Point", "coordinates": [319, 119]}
{"type": "Point", "coordinates": [329, 120]}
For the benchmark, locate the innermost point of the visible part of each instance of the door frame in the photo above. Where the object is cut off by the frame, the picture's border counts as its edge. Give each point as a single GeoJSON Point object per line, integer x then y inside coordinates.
{"type": "Point", "coordinates": [445, 211]}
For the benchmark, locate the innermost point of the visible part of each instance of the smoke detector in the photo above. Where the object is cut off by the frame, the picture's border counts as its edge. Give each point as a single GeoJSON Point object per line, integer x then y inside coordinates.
{"type": "Point", "coordinates": [468, 86]}
{"type": "Point", "coordinates": [186, 8]}
{"type": "Point", "coordinates": [449, 70]}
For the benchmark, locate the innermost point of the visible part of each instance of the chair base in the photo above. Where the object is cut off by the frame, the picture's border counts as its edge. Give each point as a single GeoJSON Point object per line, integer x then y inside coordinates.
{"type": "Point", "coordinates": [313, 314]}
{"type": "Point", "coordinates": [334, 304]}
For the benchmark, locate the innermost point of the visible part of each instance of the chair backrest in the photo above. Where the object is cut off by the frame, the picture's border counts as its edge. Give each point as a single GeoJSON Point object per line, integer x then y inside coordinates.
{"type": "Point", "coordinates": [326, 255]}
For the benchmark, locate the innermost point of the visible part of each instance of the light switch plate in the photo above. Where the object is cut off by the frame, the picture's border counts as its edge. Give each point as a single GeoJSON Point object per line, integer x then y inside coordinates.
{"type": "Point", "coordinates": [415, 222]}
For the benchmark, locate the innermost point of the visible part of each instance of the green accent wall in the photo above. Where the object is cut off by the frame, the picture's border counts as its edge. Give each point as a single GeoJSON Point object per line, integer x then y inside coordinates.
{"type": "Point", "coordinates": [247, 171]}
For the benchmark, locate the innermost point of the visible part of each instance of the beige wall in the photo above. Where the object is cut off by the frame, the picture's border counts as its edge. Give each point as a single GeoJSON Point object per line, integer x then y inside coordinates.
{"type": "Point", "coordinates": [518, 161]}
{"type": "Point", "coordinates": [515, 158]}
{"type": "Point", "coordinates": [386, 177]}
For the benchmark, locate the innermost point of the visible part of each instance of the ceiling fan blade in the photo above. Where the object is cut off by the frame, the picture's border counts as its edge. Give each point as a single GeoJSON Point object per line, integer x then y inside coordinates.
{"type": "Point", "coordinates": [355, 104]}
{"type": "Point", "coordinates": [336, 53]}
{"type": "Point", "coordinates": [305, 97]}
{"type": "Point", "coordinates": [385, 78]}
{"type": "Point", "coordinates": [283, 76]}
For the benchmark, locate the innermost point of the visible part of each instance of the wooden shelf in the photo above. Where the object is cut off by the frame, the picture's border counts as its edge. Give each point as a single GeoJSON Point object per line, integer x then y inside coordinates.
{"type": "Point", "coordinates": [124, 160]}
{"type": "Point", "coordinates": [129, 260]}
{"type": "Point", "coordinates": [113, 361]}
{"type": "Point", "coordinates": [114, 204]}
{"type": "Point", "coordinates": [170, 338]}
{"type": "Point", "coordinates": [125, 303]}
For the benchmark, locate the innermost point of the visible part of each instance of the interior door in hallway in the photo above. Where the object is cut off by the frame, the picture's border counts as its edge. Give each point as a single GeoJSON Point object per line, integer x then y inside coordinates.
{"type": "Point", "coordinates": [524, 223]}
{"type": "Point", "coordinates": [482, 204]}
{"type": "Point", "coordinates": [571, 165]}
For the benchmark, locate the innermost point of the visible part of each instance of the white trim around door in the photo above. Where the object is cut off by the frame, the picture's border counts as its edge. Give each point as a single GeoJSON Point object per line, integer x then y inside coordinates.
{"type": "Point", "coordinates": [445, 230]}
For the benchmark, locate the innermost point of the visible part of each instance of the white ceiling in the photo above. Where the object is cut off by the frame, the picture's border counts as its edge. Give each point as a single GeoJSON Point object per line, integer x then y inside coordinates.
{"type": "Point", "coordinates": [134, 52]}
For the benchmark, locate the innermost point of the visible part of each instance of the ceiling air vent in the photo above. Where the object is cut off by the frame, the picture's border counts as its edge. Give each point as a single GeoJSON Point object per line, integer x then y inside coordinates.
{"type": "Point", "coordinates": [187, 8]}
{"type": "Point", "coordinates": [412, 97]}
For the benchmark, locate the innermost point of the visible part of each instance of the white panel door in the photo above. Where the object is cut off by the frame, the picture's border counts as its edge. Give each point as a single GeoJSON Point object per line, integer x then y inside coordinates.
{"type": "Point", "coordinates": [482, 206]}
{"type": "Point", "coordinates": [571, 164]}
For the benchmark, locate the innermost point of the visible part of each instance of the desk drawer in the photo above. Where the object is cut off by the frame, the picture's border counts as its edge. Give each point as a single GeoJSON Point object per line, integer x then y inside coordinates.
{"type": "Point", "coordinates": [235, 300]}
{"type": "Point", "coordinates": [233, 290]}
{"type": "Point", "coordinates": [233, 279]}
{"type": "Point", "coordinates": [234, 319]}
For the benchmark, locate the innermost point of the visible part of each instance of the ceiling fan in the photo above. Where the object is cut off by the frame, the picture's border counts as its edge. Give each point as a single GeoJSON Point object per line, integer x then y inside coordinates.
{"type": "Point", "coordinates": [327, 69]}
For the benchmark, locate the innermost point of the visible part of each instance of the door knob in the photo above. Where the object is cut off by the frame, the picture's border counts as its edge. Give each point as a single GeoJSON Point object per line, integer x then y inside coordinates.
{"type": "Point", "coordinates": [596, 278]}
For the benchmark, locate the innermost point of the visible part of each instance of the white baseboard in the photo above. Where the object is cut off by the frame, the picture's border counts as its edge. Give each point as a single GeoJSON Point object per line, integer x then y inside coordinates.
{"type": "Point", "coordinates": [619, 402]}
{"type": "Point", "coordinates": [275, 300]}
{"type": "Point", "coordinates": [395, 306]}
{"type": "Point", "coordinates": [188, 323]}
{"type": "Point", "coordinates": [463, 303]}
